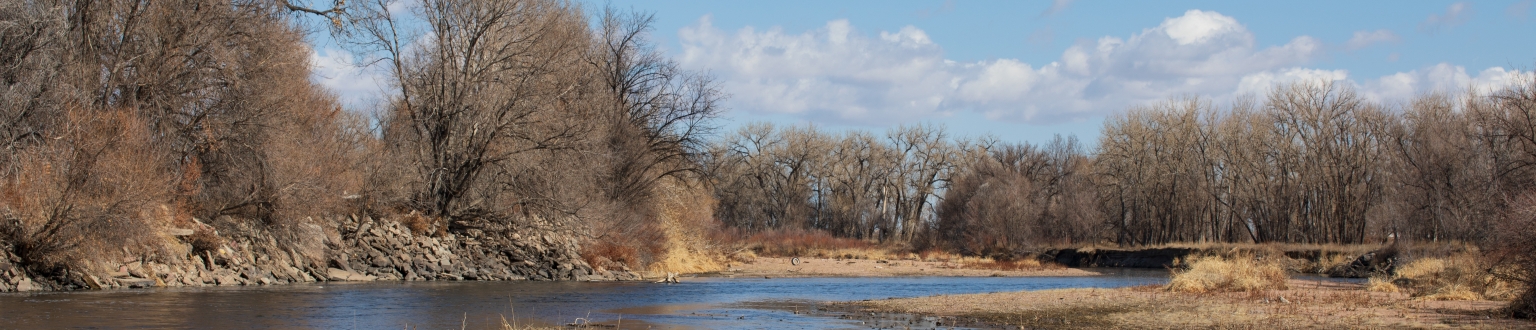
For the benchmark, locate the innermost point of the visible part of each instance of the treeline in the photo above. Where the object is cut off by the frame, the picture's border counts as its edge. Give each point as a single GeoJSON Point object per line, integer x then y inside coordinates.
{"type": "Point", "coordinates": [913, 184]}
{"type": "Point", "coordinates": [1310, 162]}
{"type": "Point", "coordinates": [120, 119]}
{"type": "Point", "coordinates": [1316, 163]}
{"type": "Point", "coordinates": [854, 184]}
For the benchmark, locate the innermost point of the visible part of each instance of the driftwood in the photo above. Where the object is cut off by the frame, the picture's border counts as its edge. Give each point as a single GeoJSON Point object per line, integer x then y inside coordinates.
{"type": "Point", "coordinates": [671, 278]}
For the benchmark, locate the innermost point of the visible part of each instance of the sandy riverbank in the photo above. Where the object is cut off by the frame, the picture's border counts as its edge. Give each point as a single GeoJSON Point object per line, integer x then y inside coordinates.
{"type": "Point", "coordinates": [1306, 304]}
{"type": "Point", "coordinates": [822, 267]}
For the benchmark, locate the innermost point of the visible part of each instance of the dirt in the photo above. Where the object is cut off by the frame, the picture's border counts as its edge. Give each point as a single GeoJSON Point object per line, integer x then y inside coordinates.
{"type": "Point", "coordinates": [819, 267]}
{"type": "Point", "coordinates": [1306, 304]}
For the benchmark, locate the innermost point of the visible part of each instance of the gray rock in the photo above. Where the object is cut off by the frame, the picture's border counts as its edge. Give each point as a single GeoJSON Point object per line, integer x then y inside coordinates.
{"type": "Point", "coordinates": [26, 284]}
{"type": "Point", "coordinates": [136, 283]}
{"type": "Point", "coordinates": [343, 275]}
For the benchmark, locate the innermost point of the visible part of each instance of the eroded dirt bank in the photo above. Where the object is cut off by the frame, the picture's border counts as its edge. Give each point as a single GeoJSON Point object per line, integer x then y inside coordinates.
{"type": "Point", "coordinates": [357, 249]}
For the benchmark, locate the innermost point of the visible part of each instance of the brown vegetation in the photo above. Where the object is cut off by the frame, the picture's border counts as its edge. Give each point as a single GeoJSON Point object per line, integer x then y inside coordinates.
{"type": "Point", "coordinates": [1304, 305]}
{"type": "Point", "coordinates": [123, 121]}
{"type": "Point", "coordinates": [1220, 274]}
{"type": "Point", "coordinates": [117, 111]}
{"type": "Point", "coordinates": [1461, 277]}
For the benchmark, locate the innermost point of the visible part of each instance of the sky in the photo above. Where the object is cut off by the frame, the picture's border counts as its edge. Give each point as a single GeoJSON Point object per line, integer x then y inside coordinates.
{"type": "Point", "coordinates": [1025, 71]}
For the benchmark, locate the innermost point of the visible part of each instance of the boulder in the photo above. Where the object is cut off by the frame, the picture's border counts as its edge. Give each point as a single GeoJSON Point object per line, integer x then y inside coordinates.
{"type": "Point", "coordinates": [344, 275]}
{"type": "Point", "coordinates": [26, 284]}
{"type": "Point", "coordinates": [136, 282]}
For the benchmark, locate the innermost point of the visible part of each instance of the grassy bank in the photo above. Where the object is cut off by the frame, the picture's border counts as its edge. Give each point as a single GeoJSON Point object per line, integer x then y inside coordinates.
{"type": "Point", "coordinates": [1212, 292]}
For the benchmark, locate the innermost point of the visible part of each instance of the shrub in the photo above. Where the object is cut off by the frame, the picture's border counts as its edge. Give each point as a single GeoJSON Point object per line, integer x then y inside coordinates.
{"type": "Point", "coordinates": [1515, 257]}
{"type": "Point", "coordinates": [1381, 284]}
{"type": "Point", "coordinates": [1220, 274]}
{"type": "Point", "coordinates": [610, 255]}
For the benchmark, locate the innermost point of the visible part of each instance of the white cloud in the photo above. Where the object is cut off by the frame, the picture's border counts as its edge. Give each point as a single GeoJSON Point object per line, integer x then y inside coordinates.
{"type": "Point", "coordinates": [841, 74]}
{"type": "Point", "coordinates": [357, 87]}
{"type": "Point", "coordinates": [1261, 83]}
{"type": "Point", "coordinates": [1198, 26]}
{"type": "Point", "coordinates": [838, 73]}
{"type": "Point", "coordinates": [1454, 15]}
{"type": "Point", "coordinates": [1444, 78]}
{"type": "Point", "coordinates": [1363, 39]}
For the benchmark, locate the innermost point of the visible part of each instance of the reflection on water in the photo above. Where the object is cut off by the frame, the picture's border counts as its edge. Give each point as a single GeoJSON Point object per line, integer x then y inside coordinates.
{"type": "Point", "coordinates": [712, 303]}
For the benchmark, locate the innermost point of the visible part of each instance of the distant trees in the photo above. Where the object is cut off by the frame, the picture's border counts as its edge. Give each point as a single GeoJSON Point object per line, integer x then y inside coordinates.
{"type": "Point", "coordinates": [1314, 163]}
{"type": "Point", "coordinates": [1306, 166]}
{"type": "Point", "coordinates": [852, 184]}
{"type": "Point", "coordinates": [1311, 162]}
{"type": "Point", "coordinates": [1020, 196]}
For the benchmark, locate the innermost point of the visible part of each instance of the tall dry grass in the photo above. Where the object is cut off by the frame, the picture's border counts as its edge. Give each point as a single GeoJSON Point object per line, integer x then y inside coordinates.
{"type": "Point", "coordinates": [1228, 274]}
{"type": "Point", "coordinates": [686, 221]}
{"type": "Point", "coordinates": [1461, 277]}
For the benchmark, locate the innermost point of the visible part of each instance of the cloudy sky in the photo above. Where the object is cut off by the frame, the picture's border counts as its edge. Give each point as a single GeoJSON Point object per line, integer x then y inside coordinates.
{"type": "Point", "coordinates": [1026, 70]}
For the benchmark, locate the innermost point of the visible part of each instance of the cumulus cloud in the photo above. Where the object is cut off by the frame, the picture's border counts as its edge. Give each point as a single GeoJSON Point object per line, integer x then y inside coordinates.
{"type": "Point", "coordinates": [1453, 16]}
{"type": "Point", "coordinates": [1363, 39]}
{"type": "Point", "coordinates": [1444, 78]}
{"type": "Point", "coordinates": [839, 73]}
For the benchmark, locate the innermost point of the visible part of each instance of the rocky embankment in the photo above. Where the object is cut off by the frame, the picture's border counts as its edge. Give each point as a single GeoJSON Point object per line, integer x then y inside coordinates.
{"type": "Point", "coordinates": [356, 249]}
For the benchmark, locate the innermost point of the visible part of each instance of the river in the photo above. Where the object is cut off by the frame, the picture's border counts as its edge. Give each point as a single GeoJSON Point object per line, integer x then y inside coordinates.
{"type": "Point", "coordinates": [696, 303]}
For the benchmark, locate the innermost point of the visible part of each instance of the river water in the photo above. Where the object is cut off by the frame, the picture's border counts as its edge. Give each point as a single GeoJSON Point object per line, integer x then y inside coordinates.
{"type": "Point", "coordinates": [697, 303]}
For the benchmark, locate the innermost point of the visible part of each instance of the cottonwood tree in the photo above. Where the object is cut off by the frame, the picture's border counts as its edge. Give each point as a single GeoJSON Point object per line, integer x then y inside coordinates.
{"type": "Point", "coordinates": [487, 82]}
{"type": "Point", "coordinates": [660, 114]}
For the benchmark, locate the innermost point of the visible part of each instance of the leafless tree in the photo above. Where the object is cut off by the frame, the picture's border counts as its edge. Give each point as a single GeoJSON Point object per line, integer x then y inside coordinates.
{"type": "Point", "coordinates": [487, 82]}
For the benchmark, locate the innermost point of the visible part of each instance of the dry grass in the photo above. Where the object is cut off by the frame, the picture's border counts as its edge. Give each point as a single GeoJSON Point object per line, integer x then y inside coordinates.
{"type": "Point", "coordinates": [1306, 305]}
{"type": "Point", "coordinates": [1381, 284]}
{"type": "Point", "coordinates": [687, 218]}
{"type": "Point", "coordinates": [1221, 274]}
{"type": "Point", "coordinates": [1461, 277]}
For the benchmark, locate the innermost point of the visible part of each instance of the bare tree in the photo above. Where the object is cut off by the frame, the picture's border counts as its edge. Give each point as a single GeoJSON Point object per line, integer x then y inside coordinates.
{"type": "Point", "coordinates": [489, 81]}
{"type": "Point", "coordinates": [660, 113]}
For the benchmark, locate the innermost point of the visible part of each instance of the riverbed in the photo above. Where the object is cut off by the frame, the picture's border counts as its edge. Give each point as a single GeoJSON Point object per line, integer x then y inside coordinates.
{"type": "Point", "coordinates": [696, 303]}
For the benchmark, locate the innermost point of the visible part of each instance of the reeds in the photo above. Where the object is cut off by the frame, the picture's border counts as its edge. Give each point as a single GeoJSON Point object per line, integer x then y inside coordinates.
{"type": "Point", "coordinates": [1459, 277]}
{"type": "Point", "coordinates": [1228, 274]}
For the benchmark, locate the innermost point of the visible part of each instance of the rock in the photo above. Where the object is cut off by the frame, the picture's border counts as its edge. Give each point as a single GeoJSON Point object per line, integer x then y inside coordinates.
{"type": "Point", "coordinates": [179, 232]}
{"type": "Point", "coordinates": [343, 275]}
{"type": "Point", "coordinates": [136, 282]}
{"type": "Point", "coordinates": [26, 284]}
{"type": "Point", "coordinates": [93, 282]}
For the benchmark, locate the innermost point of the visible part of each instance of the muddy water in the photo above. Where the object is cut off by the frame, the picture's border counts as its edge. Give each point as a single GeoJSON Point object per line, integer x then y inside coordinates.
{"type": "Point", "coordinates": [697, 303]}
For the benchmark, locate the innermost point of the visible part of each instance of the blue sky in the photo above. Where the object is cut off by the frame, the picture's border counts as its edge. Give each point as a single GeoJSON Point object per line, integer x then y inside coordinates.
{"type": "Point", "coordinates": [1024, 71]}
